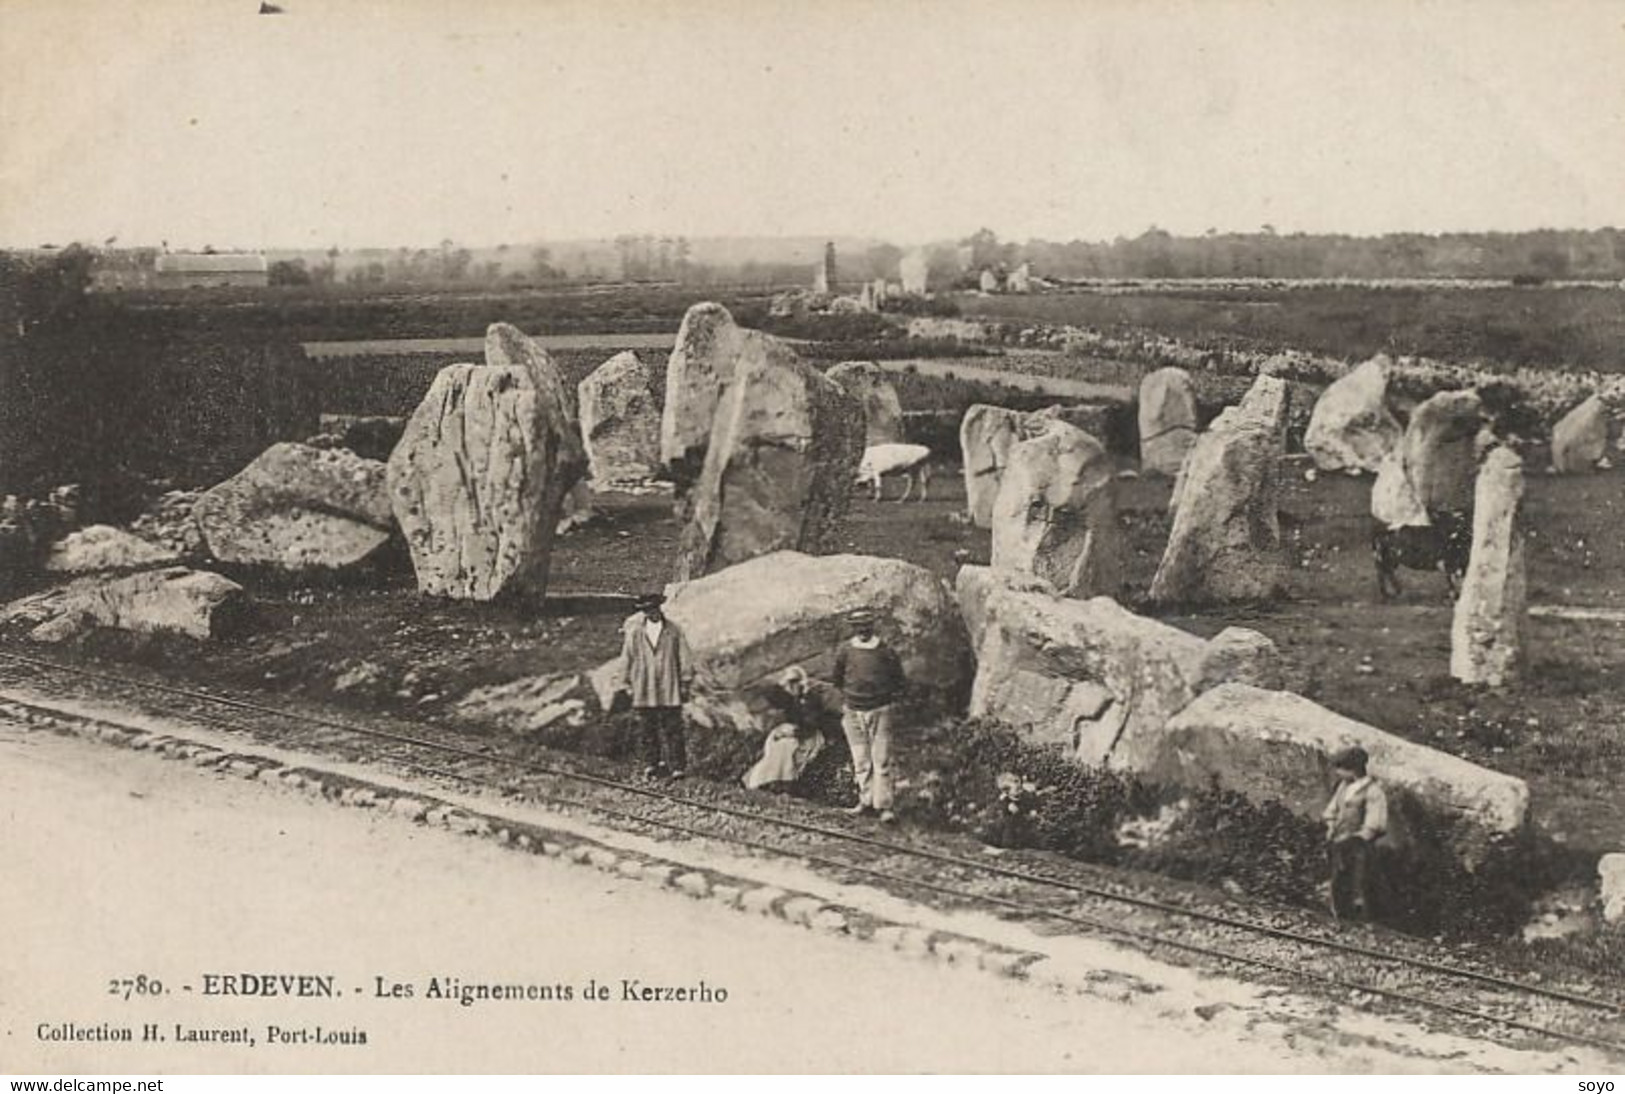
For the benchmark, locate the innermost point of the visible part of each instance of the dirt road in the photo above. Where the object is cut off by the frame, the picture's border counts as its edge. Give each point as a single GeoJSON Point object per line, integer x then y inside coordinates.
{"type": "Point", "coordinates": [131, 866]}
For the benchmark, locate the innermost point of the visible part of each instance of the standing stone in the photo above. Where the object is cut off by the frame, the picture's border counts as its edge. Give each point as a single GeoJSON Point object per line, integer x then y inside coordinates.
{"type": "Point", "coordinates": [479, 479]}
{"type": "Point", "coordinates": [1225, 543]}
{"type": "Point", "coordinates": [1393, 500]}
{"type": "Point", "coordinates": [883, 291]}
{"type": "Point", "coordinates": [866, 298]}
{"type": "Point", "coordinates": [1020, 279]}
{"type": "Point", "coordinates": [882, 411]}
{"type": "Point", "coordinates": [1055, 515]}
{"type": "Point", "coordinates": [1580, 438]}
{"type": "Point", "coordinates": [1351, 428]}
{"type": "Point", "coordinates": [710, 349]}
{"type": "Point", "coordinates": [620, 421]}
{"type": "Point", "coordinates": [988, 281]}
{"type": "Point", "coordinates": [824, 275]}
{"type": "Point", "coordinates": [296, 508]}
{"type": "Point", "coordinates": [915, 272]}
{"type": "Point", "coordinates": [1439, 459]}
{"type": "Point", "coordinates": [986, 435]}
{"type": "Point", "coordinates": [1611, 886]}
{"type": "Point", "coordinates": [1167, 420]}
{"type": "Point", "coordinates": [778, 470]}
{"type": "Point", "coordinates": [1486, 638]}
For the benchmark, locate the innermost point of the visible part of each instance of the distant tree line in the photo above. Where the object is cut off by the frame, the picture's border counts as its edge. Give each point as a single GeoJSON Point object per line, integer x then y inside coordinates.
{"type": "Point", "coordinates": [1536, 255]}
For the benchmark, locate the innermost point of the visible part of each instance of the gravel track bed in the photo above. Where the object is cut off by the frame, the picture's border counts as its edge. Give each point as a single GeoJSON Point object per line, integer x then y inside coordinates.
{"type": "Point", "coordinates": [850, 863]}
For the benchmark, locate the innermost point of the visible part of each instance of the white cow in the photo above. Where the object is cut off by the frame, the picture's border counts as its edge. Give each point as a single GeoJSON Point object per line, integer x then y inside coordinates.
{"type": "Point", "coordinates": [912, 461]}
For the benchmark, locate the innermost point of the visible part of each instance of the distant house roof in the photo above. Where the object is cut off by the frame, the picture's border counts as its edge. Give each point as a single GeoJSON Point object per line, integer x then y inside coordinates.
{"type": "Point", "coordinates": [206, 263]}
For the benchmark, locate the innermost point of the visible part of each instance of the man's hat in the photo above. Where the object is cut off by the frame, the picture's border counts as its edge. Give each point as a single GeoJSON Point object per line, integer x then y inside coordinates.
{"type": "Point", "coordinates": [1353, 758]}
{"type": "Point", "coordinates": [860, 617]}
{"type": "Point", "coordinates": [644, 601]}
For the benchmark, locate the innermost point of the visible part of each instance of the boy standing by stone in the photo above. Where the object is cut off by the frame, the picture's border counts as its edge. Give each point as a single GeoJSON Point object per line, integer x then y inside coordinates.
{"type": "Point", "coordinates": [1356, 817]}
{"type": "Point", "coordinates": [869, 675]}
{"type": "Point", "coordinates": [657, 668]}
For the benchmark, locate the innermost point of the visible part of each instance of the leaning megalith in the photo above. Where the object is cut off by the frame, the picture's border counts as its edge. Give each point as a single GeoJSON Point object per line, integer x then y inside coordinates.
{"type": "Point", "coordinates": [882, 411]}
{"type": "Point", "coordinates": [1440, 461]}
{"type": "Point", "coordinates": [1167, 418]}
{"type": "Point", "coordinates": [1225, 543]}
{"type": "Point", "coordinates": [479, 478]}
{"type": "Point", "coordinates": [779, 467]}
{"type": "Point", "coordinates": [1486, 636]}
{"type": "Point", "coordinates": [1055, 514]}
{"type": "Point", "coordinates": [986, 435]}
{"type": "Point", "coordinates": [1351, 428]}
{"type": "Point", "coordinates": [620, 421]}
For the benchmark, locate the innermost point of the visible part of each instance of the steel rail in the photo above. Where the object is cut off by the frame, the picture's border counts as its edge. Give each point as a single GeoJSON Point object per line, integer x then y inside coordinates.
{"type": "Point", "coordinates": [927, 854]}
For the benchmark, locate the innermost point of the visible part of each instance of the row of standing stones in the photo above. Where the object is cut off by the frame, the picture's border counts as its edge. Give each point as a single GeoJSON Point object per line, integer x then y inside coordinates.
{"type": "Point", "coordinates": [764, 449]}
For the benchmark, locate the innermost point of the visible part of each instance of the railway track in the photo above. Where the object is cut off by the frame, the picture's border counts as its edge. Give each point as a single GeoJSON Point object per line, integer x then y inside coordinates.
{"type": "Point", "coordinates": [1469, 996]}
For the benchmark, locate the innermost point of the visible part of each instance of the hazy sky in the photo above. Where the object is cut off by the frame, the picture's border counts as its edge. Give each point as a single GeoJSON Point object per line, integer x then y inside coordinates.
{"type": "Point", "coordinates": [392, 122]}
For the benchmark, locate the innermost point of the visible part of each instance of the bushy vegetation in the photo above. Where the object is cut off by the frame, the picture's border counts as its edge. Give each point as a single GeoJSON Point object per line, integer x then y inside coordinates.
{"type": "Point", "coordinates": [1536, 327]}
{"type": "Point", "coordinates": [984, 779]}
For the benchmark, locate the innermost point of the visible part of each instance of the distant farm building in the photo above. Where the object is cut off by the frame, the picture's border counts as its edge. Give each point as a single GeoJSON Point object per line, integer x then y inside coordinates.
{"type": "Point", "coordinates": [205, 271]}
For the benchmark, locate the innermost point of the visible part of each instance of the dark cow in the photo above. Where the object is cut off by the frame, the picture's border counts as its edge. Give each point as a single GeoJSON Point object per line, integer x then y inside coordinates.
{"type": "Point", "coordinates": [1443, 545]}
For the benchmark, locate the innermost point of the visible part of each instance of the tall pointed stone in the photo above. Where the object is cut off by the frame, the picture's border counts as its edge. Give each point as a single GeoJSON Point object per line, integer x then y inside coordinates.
{"type": "Point", "coordinates": [986, 435]}
{"type": "Point", "coordinates": [1486, 637]}
{"type": "Point", "coordinates": [1225, 543]}
{"type": "Point", "coordinates": [779, 467]}
{"type": "Point", "coordinates": [478, 480]}
{"type": "Point", "coordinates": [710, 348]}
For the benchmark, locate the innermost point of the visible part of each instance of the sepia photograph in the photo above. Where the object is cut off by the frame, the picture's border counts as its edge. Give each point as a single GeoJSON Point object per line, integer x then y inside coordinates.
{"type": "Point", "coordinates": [740, 537]}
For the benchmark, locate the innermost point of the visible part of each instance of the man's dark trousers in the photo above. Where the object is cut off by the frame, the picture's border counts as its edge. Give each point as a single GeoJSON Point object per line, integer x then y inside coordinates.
{"type": "Point", "coordinates": [660, 737]}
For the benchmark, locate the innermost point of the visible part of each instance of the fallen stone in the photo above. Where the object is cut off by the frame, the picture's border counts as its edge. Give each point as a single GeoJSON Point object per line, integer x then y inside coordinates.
{"type": "Point", "coordinates": [986, 435]}
{"type": "Point", "coordinates": [882, 412]}
{"type": "Point", "coordinates": [974, 584]}
{"type": "Point", "coordinates": [1055, 513]}
{"type": "Point", "coordinates": [1080, 673]}
{"type": "Point", "coordinates": [748, 623]}
{"type": "Point", "coordinates": [173, 600]}
{"type": "Point", "coordinates": [1351, 427]}
{"type": "Point", "coordinates": [1167, 419]}
{"type": "Point", "coordinates": [1225, 544]}
{"type": "Point", "coordinates": [527, 705]}
{"type": "Point", "coordinates": [779, 467]}
{"type": "Point", "coordinates": [1240, 655]}
{"type": "Point", "coordinates": [1580, 438]}
{"type": "Point", "coordinates": [297, 508]}
{"type": "Point", "coordinates": [620, 421]}
{"type": "Point", "coordinates": [100, 547]}
{"type": "Point", "coordinates": [1275, 746]}
{"type": "Point", "coordinates": [479, 479]}
{"type": "Point", "coordinates": [1486, 635]}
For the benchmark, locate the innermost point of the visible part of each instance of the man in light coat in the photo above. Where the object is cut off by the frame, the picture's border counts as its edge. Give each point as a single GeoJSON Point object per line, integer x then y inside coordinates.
{"type": "Point", "coordinates": [656, 669]}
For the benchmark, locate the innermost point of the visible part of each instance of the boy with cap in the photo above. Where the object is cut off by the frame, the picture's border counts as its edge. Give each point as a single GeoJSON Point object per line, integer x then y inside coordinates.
{"type": "Point", "coordinates": [1356, 817]}
{"type": "Point", "coordinates": [869, 675]}
{"type": "Point", "coordinates": [657, 668]}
